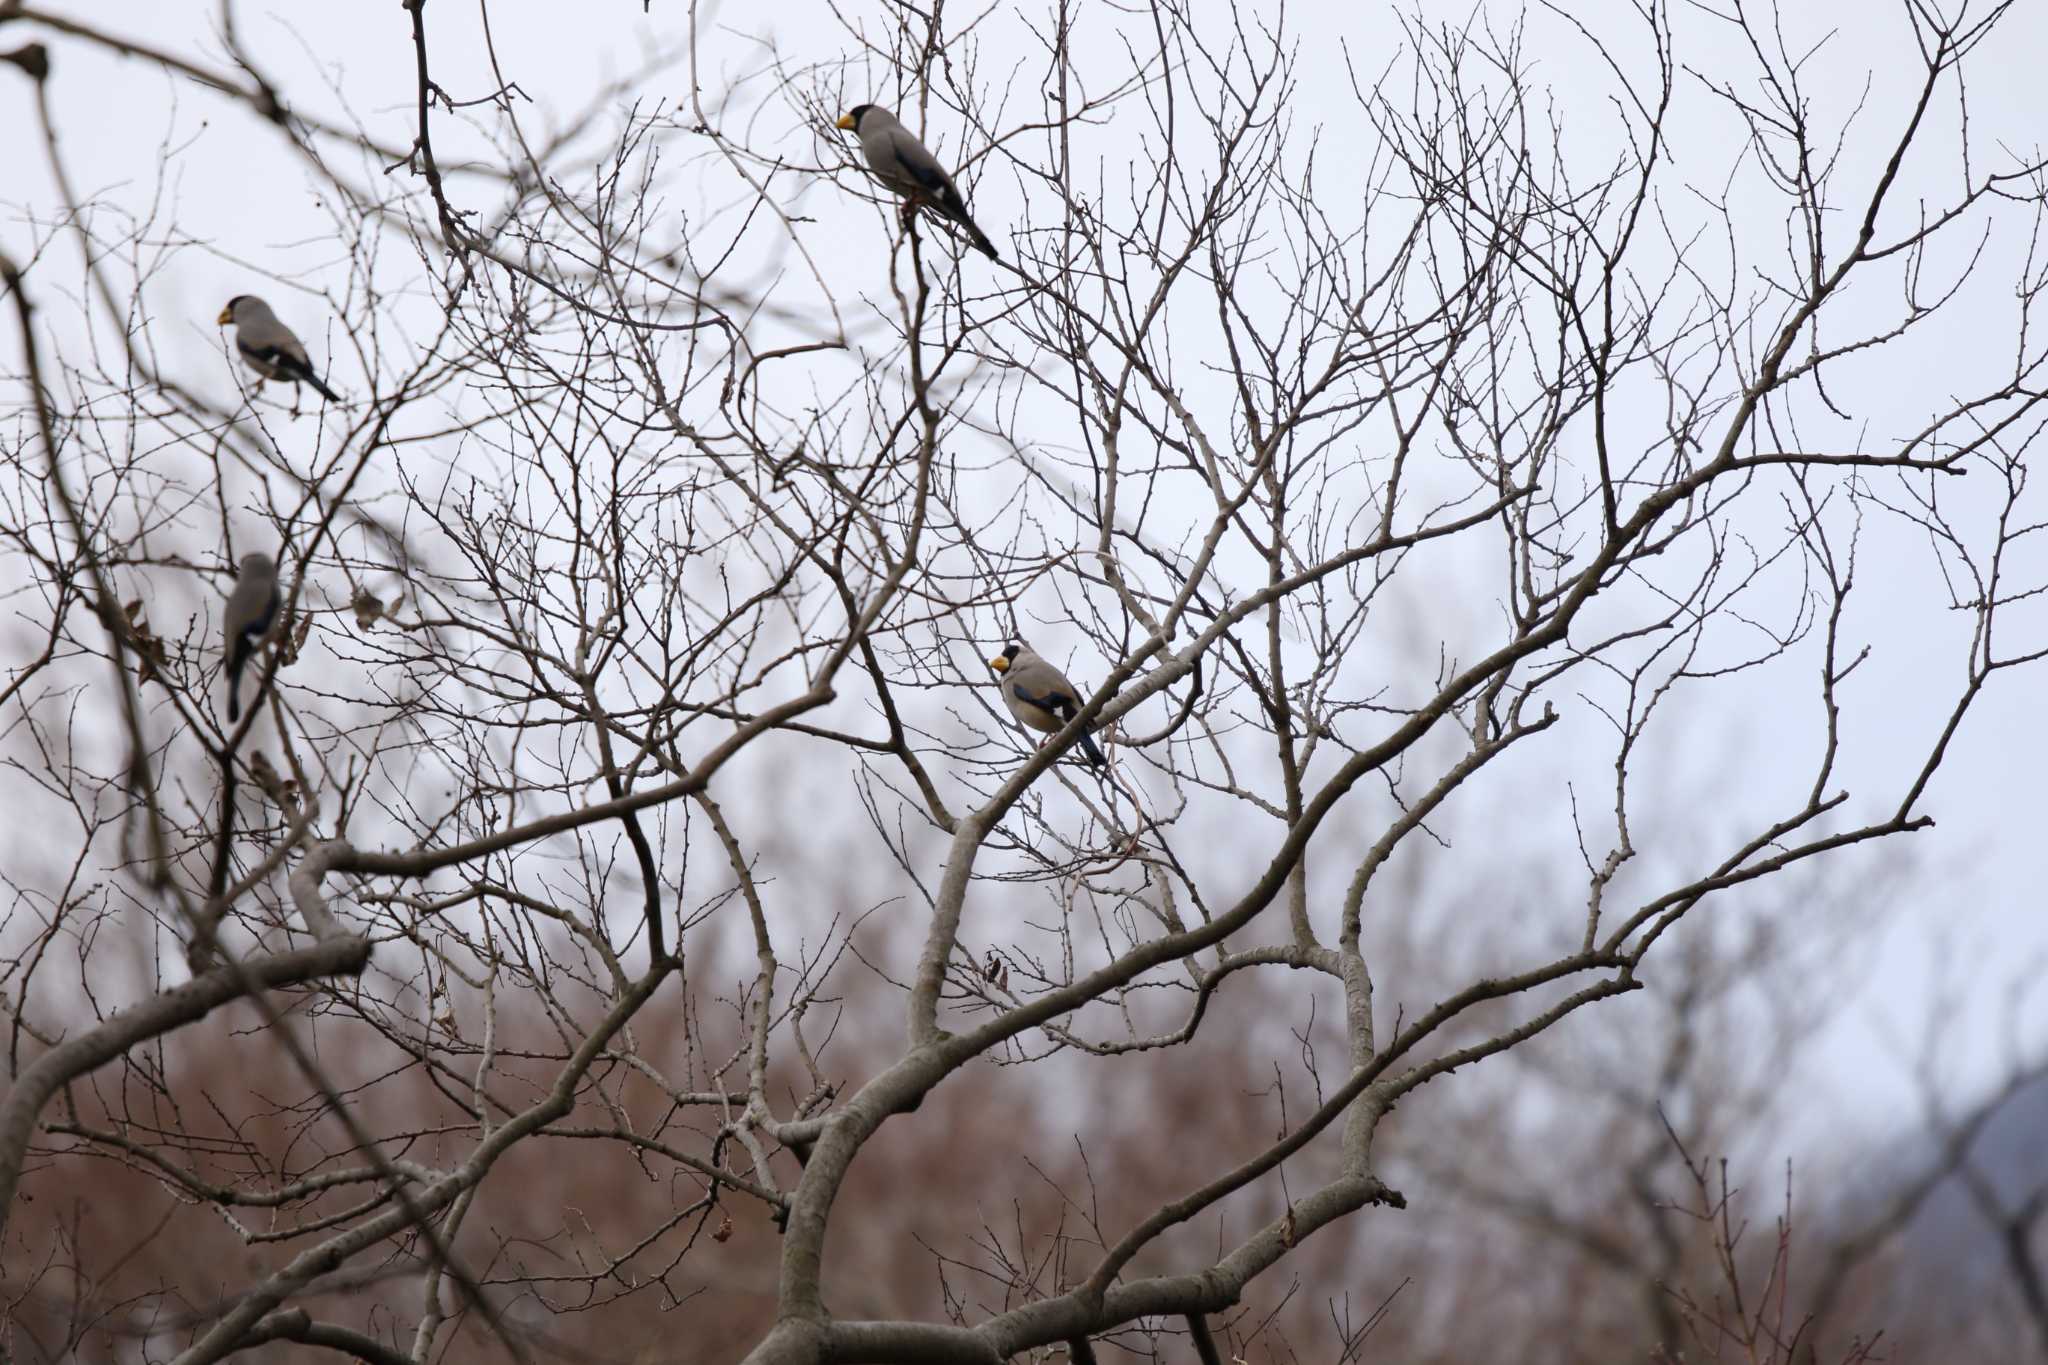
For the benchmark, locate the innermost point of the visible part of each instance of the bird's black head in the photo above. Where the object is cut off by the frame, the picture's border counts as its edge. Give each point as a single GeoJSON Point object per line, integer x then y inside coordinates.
{"type": "Point", "coordinates": [850, 120]}
{"type": "Point", "coordinates": [227, 312]}
{"type": "Point", "coordinates": [1002, 661]}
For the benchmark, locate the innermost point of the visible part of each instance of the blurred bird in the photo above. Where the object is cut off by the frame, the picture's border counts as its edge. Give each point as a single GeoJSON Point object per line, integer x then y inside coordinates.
{"type": "Point", "coordinates": [252, 606]}
{"type": "Point", "coordinates": [1039, 695]}
{"type": "Point", "coordinates": [270, 348]}
{"type": "Point", "coordinates": [906, 166]}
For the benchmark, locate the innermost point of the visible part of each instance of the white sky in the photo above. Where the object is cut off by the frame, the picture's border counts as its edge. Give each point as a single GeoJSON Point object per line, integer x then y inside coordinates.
{"type": "Point", "coordinates": [237, 189]}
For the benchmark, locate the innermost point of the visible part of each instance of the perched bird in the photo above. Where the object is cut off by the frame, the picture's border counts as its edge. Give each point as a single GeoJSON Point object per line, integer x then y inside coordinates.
{"type": "Point", "coordinates": [907, 166]}
{"type": "Point", "coordinates": [252, 606]}
{"type": "Point", "coordinates": [270, 348]}
{"type": "Point", "coordinates": [1039, 695]}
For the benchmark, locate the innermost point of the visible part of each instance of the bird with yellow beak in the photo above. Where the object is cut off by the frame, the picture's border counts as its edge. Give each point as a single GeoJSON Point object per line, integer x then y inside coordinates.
{"type": "Point", "coordinates": [907, 166]}
{"type": "Point", "coordinates": [1040, 696]}
{"type": "Point", "coordinates": [269, 347]}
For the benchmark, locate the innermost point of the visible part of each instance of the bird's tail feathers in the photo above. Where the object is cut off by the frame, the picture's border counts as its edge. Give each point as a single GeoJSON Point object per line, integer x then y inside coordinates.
{"type": "Point", "coordinates": [958, 213]}
{"type": "Point", "coordinates": [300, 372]}
{"type": "Point", "coordinates": [981, 241]}
{"type": "Point", "coordinates": [236, 658]}
{"type": "Point", "coordinates": [1086, 739]}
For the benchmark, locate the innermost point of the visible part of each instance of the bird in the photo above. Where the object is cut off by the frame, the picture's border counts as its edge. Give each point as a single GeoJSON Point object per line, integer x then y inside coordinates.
{"type": "Point", "coordinates": [1040, 696]}
{"type": "Point", "coordinates": [271, 349]}
{"type": "Point", "coordinates": [907, 166]}
{"type": "Point", "coordinates": [252, 606]}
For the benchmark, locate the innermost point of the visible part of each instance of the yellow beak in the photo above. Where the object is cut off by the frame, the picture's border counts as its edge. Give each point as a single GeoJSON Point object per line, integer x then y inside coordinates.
{"type": "Point", "coordinates": [999, 663]}
{"type": "Point", "coordinates": [227, 315]}
{"type": "Point", "coordinates": [846, 122]}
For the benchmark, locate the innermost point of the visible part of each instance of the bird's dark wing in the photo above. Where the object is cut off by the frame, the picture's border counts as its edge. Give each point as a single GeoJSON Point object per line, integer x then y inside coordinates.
{"type": "Point", "coordinates": [933, 181]}
{"type": "Point", "coordinates": [277, 356]}
{"type": "Point", "coordinates": [1057, 702]}
{"type": "Point", "coordinates": [254, 630]}
{"type": "Point", "coordinates": [246, 638]}
{"type": "Point", "coordinates": [289, 364]}
{"type": "Point", "coordinates": [1064, 706]}
{"type": "Point", "coordinates": [244, 644]}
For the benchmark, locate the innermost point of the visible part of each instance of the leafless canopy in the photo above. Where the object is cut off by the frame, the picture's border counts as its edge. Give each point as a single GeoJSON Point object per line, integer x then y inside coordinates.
{"type": "Point", "coordinates": [627, 734]}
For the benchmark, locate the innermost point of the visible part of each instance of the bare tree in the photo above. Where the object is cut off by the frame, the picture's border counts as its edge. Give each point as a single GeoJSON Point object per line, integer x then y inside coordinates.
{"type": "Point", "coordinates": [639, 593]}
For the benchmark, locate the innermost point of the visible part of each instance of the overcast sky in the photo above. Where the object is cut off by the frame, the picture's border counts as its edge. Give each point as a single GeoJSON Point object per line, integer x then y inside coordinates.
{"type": "Point", "coordinates": [241, 193]}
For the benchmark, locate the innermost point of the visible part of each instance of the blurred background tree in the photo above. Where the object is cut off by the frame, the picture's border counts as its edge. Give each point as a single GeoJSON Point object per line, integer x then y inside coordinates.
{"type": "Point", "coordinates": [1529, 545]}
